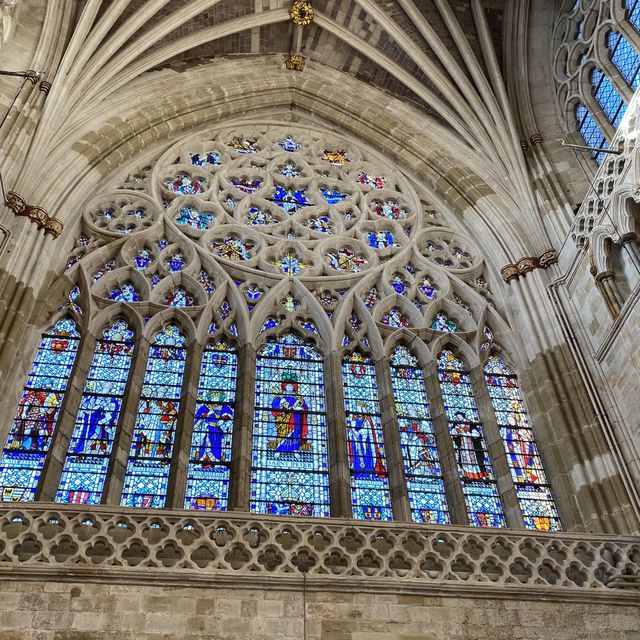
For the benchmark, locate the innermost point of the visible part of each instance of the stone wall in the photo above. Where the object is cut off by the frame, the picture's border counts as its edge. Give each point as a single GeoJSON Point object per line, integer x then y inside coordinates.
{"type": "Point", "coordinates": [83, 611]}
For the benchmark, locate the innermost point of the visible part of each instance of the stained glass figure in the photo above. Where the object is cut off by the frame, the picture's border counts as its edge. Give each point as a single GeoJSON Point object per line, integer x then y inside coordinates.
{"type": "Point", "coordinates": [184, 184]}
{"type": "Point", "coordinates": [233, 248]}
{"type": "Point", "coordinates": [37, 417]}
{"type": "Point", "coordinates": [100, 273]}
{"type": "Point", "coordinates": [144, 259]}
{"type": "Point", "coordinates": [370, 497]}
{"type": "Point", "coordinates": [482, 500]}
{"type": "Point", "coordinates": [246, 185]}
{"type": "Point", "coordinates": [333, 196]}
{"type": "Point", "coordinates": [126, 292]}
{"type": "Point", "coordinates": [337, 157]}
{"type": "Point", "coordinates": [179, 297]}
{"type": "Point", "coordinates": [382, 239]}
{"type": "Point", "coordinates": [389, 209]}
{"type": "Point", "coordinates": [175, 262]}
{"type": "Point", "coordinates": [289, 144]}
{"type": "Point", "coordinates": [210, 457]}
{"type": "Point", "coordinates": [147, 474]}
{"type": "Point", "coordinates": [442, 323]}
{"type": "Point", "coordinates": [202, 159]}
{"type": "Point", "coordinates": [194, 218]}
{"type": "Point", "coordinates": [428, 288]}
{"type": "Point", "coordinates": [258, 217]}
{"type": "Point", "coordinates": [291, 200]}
{"type": "Point", "coordinates": [243, 145]}
{"type": "Point", "coordinates": [289, 455]}
{"type": "Point", "coordinates": [395, 319]}
{"type": "Point", "coordinates": [320, 224]}
{"type": "Point", "coordinates": [532, 488]}
{"type": "Point", "coordinates": [590, 131]}
{"type": "Point", "coordinates": [420, 456]}
{"type": "Point", "coordinates": [85, 468]}
{"type": "Point", "coordinates": [345, 259]}
{"type": "Point", "coordinates": [369, 180]}
{"type": "Point", "coordinates": [399, 284]}
{"type": "Point", "coordinates": [289, 169]}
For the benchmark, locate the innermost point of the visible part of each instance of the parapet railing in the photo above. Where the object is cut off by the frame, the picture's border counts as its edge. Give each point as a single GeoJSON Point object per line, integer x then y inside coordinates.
{"type": "Point", "coordinates": [69, 543]}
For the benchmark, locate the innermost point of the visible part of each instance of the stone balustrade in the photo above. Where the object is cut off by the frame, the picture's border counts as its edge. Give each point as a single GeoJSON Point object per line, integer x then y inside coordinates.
{"type": "Point", "coordinates": [108, 543]}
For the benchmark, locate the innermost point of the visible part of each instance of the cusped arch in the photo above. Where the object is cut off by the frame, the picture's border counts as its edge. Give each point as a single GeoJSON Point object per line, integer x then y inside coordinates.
{"type": "Point", "coordinates": [168, 316]}
{"type": "Point", "coordinates": [458, 347]}
{"type": "Point", "coordinates": [107, 316]}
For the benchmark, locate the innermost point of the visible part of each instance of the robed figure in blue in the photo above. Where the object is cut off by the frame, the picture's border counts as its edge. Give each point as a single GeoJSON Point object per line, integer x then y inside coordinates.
{"type": "Point", "coordinates": [211, 417]}
{"type": "Point", "coordinates": [363, 447]}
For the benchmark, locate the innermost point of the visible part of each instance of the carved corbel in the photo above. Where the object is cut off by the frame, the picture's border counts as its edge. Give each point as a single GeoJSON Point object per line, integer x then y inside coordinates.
{"type": "Point", "coordinates": [528, 264]}
{"type": "Point", "coordinates": [17, 204]}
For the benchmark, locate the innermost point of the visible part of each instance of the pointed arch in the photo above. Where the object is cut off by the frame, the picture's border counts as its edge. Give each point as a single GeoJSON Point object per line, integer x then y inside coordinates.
{"type": "Point", "coordinates": [289, 461]}
{"type": "Point", "coordinates": [421, 459]}
{"type": "Point", "coordinates": [484, 508]}
{"type": "Point", "coordinates": [38, 413]}
{"type": "Point", "coordinates": [532, 487]}
{"type": "Point", "coordinates": [147, 473]}
{"type": "Point", "coordinates": [85, 469]}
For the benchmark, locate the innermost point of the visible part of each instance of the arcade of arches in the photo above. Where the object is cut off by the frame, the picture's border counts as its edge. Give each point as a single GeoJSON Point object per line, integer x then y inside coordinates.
{"type": "Point", "coordinates": [311, 328]}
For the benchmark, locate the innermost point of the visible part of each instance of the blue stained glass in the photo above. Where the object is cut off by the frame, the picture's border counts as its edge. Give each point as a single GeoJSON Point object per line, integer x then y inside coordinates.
{"type": "Point", "coordinates": [184, 184]}
{"type": "Point", "coordinates": [289, 170]}
{"type": "Point", "coordinates": [179, 297]}
{"type": "Point", "coordinates": [532, 488]}
{"type": "Point", "coordinates": [202, 159]}
{"type": "Point", "coordinates": [333, 196]}
{"type": "Point", "coordinates": [419, 451]}
{"type": "Point", "coordinates": [194, 218]}
{"type": "Point", "coordinates": [395, 319]}
{"type": "Point", "coordinates": [633, 13]}
{"type": "Point", "coordinates": [147, 474]}
{"type": "Point", "coordinates": [257, 217]}
{"type": "Point", "coordinates": [590, 131]}
{"type": "Point", "coordinates": [175, 262]}
{"type": "Point", "coordinates": [89, 452]}
{"type": "Point", "coordinates": [247, 185]}
{"type": "Point", "coordinates": [389, 209]}
{"type": "Point", "coordinates": [612, 104]}
{"type": "Point", "coordinates": [289, 144]}
{"type": "Point", "coordinates": [37, 417]}
{"type": "Point", "coordinates": [100, 273]}
{"type": "Point", "coordinates": [369, 180]}
{"type": "Point", "coordinates": [474, 466]}
{"type": "Point", "coordinates": [372, 298]}
{"type": "Point", "coordinates": [370, 497]}
{"type": "Point", "coordinates": [382, 239]}
{"type": "Point", "coordinates": [427, 287]}
{"type": "Point", "coordinates": [442, 323]}
{"type": "Point", "coordinates": [125, 293]}
{"type": "Point", "coordinates": [206, 281]}
{"type": "Point", "coordinates": [625, 57]}
{"type": "Point", "coordinates": [289, 455]}
{"type": "Point", "coordinates": [210, 457]}
{"type": "Point", "coordinates": [320, 224]}
{"type": "Point", "coordinates": [290, 199]}
{"type": "Point", "coordinates": [144, 259]}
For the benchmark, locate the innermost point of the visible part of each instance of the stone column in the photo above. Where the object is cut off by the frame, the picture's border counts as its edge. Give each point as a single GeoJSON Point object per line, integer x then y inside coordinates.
{"type": "Point", "coordinates": [392, 444]}
{"type": "Point", "coordinates": [240, 474]}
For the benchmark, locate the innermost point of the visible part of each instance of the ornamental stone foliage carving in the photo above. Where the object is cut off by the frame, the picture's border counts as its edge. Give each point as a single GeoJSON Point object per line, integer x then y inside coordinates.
{"type": "Point", "coordinates": [16, 203]}
{"type": "Point", "coordinates": [302, 12]}
{"type": "Point", "coordinates": [175, 547]}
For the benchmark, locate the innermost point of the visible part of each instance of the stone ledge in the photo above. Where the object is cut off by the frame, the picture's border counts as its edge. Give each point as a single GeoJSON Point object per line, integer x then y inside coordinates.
{"type": "Point", "coordinates": [110, 544]}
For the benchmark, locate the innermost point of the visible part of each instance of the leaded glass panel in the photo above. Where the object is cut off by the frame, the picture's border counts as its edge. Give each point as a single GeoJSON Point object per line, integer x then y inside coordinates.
{"type": "Point", "coordinates": [482, 500]}
{"type": "Point", "coordinates": [38, 413]}
{"type": "Point", "coordinates": [147, 474]}
{"type": "Point", "coordinates": [370, 498]}
{"type": "Point", "coordinates": [210, 455]}
{"type": "Point", "coordinates": [532, 488]}
{"type": "Point", "coordinates": [289, 455]}
{"type": "Point", "coordinates": [419, 451]}
{"type": "Point", "coordinates": [85, 468]}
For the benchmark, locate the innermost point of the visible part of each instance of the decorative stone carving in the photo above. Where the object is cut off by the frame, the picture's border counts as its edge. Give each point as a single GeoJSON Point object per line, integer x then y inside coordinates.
{"type": "Point", "coordinates": [295, 62]}
{"type": "Point", "coordinates": [177, 546]}
{"type": "Point", "coordinates": [528, 264]}
{"type": "Point", "coordinates": [302, 13]}
{"type": "Point", "coordinates": [16, 203]}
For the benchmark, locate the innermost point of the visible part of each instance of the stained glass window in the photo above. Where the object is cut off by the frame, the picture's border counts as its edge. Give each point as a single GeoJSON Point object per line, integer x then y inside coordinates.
{"type": "Point", "coordinates": [633, 13]}
{"type": "Point", "coordinates": [419, 452]}
{"type": "Point", "coordinates": [590, 131]}
{"type": "Point", "coordinates": [37, 417]}
{"type": "Point", "coordinates": [210, 457]}
{"type": "Point", "coordinates": [85, 469]}
{"type": "Point", "coordinates": [474, 466]}
{"type": "Point", "coordinates": [289, 456]}
{"type": "Point", "coordinates": [532, 488]}
{"type": "Point", "coordinates": [625, 57]}
{"type": "Point", "coordinates": [612, 104]}
{"type": "Point", "coordinates": [145, 482]}
{"type": "Point", "coordinates": [370, 498]}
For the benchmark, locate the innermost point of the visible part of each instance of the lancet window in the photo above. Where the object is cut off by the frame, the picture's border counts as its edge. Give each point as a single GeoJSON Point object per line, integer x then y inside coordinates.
{"type": "Point", "coordinates": [91, 445]}
{"type": "Point", "coordinates": [38, 413]}
{"type": "Point", "coordinates": [147, 475]}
